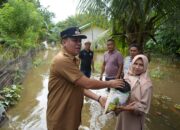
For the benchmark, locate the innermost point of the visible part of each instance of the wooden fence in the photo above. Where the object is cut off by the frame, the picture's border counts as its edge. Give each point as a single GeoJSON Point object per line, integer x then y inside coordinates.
{"type": "Point", "coordinates": [8, 73]}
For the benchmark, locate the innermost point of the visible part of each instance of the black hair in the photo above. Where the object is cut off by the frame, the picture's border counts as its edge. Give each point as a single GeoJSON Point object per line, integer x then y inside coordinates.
{"type": "Point", "coordinates": [135, 45]}
{"type": "Point", "coordinates": [110, 40]}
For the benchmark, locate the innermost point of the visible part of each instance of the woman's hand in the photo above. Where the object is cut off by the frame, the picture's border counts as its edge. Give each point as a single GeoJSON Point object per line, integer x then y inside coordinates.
{"type": "Point", "coordinates": [118, 110]}
{"type": "Point", "coordinates": [128, 107]}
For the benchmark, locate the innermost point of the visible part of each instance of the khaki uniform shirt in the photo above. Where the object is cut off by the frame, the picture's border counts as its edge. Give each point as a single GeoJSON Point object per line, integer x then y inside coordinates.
{"type": "Point", "coordinates": [65, 99]}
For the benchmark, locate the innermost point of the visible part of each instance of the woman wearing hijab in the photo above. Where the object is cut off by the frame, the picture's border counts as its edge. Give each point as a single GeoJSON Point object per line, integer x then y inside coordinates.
{"type": "Point", "coordinates": [132, 116]}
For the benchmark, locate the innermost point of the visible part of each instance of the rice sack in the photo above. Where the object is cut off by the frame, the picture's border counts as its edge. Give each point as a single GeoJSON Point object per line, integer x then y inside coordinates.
{"type": "Point", "coordinates": [117, 97]}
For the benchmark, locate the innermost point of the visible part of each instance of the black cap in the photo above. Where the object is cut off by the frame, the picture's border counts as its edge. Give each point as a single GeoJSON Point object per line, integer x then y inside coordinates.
{"type": "Point", "coordinates": [72, 32]}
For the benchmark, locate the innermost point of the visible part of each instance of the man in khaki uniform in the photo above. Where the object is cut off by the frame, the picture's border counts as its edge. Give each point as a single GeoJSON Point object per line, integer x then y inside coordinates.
{"type": "Point", "coordinates": [67, 85]}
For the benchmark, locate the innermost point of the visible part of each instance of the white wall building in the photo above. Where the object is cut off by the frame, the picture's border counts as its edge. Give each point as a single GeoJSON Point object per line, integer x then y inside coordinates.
{"type": "Point", "coordinates": [92, 33]}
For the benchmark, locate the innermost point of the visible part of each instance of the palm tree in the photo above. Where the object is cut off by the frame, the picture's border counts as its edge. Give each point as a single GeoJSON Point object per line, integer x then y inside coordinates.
{"type": "Point", "coordinates": [133, 21]}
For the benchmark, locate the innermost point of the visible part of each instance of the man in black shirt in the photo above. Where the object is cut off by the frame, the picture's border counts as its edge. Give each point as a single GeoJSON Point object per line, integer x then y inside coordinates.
{"type": "Point", "coordinates": [86, 56]}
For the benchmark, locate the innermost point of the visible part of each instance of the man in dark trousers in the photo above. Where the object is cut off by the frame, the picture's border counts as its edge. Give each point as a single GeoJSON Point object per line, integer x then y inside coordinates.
{"type": "Point", "coordinates": [86, 56]}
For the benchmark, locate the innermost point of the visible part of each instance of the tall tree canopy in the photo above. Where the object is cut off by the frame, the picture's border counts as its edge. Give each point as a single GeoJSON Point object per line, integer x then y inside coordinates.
{"type": "Point", "coordinates": [132, 20]}
{"type": "Point", "coordinates": [82, 19]}
{"type": "Point", "coordinates": [23, 23]}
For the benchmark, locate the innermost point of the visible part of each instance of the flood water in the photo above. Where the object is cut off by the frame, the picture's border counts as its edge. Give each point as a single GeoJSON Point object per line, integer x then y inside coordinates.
{"type": "Point", "coordinates": [29, 113]}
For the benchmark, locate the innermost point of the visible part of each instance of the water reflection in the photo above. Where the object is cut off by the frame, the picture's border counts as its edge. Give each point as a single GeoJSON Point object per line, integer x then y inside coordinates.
{"type": "Point", "coordinates": [37, 119]}
{"type": "Point", "coordinates": [29, 113]}
{"type": "Point", "coordinates": [93, 117]}
{"type": "Point", "coordinates": [97, 120]}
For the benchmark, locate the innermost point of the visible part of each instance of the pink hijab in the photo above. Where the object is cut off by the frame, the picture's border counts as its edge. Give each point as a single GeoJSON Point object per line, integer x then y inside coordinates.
{"type": "Point", "coordinates": [144, 78]}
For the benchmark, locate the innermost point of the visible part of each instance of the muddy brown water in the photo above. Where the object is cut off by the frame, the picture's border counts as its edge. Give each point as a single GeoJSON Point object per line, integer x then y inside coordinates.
{"type": "Point", "coordinates": [29, 113]}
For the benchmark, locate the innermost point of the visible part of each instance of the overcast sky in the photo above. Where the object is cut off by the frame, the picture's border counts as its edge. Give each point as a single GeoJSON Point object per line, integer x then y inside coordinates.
{"type": "Point", "coordinates": [61, 8]}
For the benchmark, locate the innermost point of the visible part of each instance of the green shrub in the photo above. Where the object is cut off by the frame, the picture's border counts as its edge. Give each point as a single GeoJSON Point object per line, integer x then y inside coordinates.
{"type": "Point", "coordinates": [11, 95]}
{"type": "Point", "coordinates": [156, 73]}
{"type": "Point", "coordinates": [37, 62]}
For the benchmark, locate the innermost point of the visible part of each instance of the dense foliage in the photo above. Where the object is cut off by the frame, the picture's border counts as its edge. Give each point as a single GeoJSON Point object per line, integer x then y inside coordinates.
{"type": "Point", "coordinates": [11, 95]}
{"type": "Point", "coordinates": [152, 24]}
{"type": "Point", "coordinates": [83, 19]}
{"type": "Point", "coordinates": [134, 21]}
{"type": "Point", "coordinates": [23, 25]}
{"type": "Point", "coordinates": [167, 37]}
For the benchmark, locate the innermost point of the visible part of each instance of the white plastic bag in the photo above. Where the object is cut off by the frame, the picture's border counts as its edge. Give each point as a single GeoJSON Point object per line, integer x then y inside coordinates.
{"type": "Point", "coordinates": [115, 98]}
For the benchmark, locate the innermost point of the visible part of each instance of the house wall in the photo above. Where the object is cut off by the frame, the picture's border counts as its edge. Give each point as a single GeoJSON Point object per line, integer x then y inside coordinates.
{"type": "Point", "coordinates": [92, 34]}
